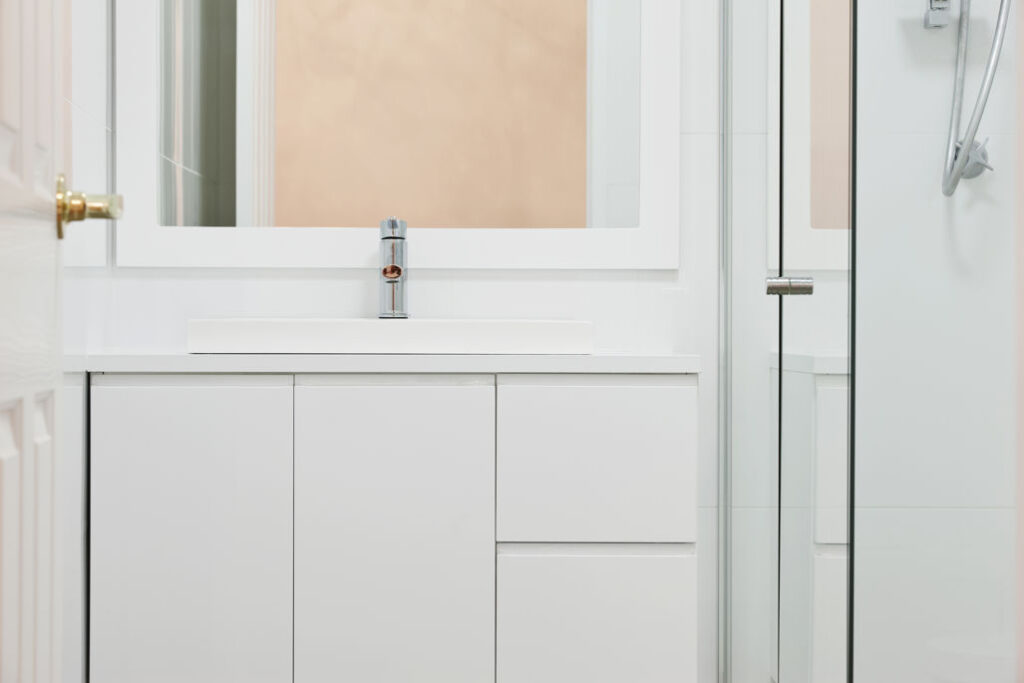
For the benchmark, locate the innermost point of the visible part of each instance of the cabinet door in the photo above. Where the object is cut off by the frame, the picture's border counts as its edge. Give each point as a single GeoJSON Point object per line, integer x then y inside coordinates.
{"type": "Point", "coordinates": [394, 529]}
{"type": "Point", "coordinates": [598, 614]}
{"type": "Point", "coordinates": [191, 546]}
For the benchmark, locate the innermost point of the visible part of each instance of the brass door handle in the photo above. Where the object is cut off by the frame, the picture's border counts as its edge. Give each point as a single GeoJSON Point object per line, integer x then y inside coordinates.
{"type": "Point", "coordinates": [78, 206]}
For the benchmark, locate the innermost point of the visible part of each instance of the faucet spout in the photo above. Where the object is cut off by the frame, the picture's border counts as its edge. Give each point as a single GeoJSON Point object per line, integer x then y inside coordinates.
{"type": "Point", "coordinates": [393, 268]}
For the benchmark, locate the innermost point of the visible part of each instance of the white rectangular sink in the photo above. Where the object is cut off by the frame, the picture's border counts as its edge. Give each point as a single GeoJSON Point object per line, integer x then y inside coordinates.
{"type": "Point", "coordinates": [373, 336]}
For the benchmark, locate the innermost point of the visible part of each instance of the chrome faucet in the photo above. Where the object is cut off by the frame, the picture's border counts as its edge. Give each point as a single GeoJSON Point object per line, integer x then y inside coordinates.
{"type": "Point", "coordinates": [393, 271]}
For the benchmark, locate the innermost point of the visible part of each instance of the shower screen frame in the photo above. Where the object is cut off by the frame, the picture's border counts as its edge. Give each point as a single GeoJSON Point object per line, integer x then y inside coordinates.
{"type": "Point", "coordinates": [757, 343]}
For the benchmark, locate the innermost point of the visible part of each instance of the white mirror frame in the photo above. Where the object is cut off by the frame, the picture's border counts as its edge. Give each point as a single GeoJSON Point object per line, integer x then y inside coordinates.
{"type": "Point", "coordinates": [142, 242]}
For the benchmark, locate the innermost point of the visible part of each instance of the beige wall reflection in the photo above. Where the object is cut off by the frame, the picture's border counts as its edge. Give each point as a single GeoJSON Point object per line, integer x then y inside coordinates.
{"type": "Point", "coordinates": [446, 112]}
{"type": "Point", "coordinates": [831, 119]}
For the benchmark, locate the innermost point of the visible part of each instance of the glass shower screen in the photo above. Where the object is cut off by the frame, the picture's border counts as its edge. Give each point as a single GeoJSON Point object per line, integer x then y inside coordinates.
{"type": "Point", "coordinates": [873, 472]}
{"type": "Point", "coordinates": [788, 231]}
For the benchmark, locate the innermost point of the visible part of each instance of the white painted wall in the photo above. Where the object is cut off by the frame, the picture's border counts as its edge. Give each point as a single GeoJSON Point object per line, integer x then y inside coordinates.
{"type": "Point", "coordinates": [91, 127]}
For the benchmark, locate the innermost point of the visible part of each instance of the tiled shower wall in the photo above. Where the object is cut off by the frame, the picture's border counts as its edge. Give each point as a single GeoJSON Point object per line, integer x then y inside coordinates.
{"type": "Point", "coordinates": [937, 404]}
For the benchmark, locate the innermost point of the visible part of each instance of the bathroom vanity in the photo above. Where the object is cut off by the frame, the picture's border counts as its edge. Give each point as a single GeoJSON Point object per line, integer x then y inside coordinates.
{"type": "Point", "coordinates": [392, 518]}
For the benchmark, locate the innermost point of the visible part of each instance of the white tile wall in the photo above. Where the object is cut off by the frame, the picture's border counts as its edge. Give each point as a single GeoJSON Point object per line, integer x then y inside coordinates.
{"type": "Point", "coordinates": [937, 404]}
{"type": "Point", "coordinates": [936, 401]}
{"type": "Point", "coordinates": [934, 595]}
{"type": "Point", "coordinates": [896, 49]}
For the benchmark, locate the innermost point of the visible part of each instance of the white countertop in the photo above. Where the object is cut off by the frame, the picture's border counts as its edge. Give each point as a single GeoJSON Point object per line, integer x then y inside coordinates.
{"type": "Point", "coordinates": [135, 363]}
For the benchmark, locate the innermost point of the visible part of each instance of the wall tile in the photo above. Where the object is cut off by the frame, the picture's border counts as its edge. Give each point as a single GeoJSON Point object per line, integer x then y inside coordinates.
{"type": "Point", "coordinates": [933, 595]}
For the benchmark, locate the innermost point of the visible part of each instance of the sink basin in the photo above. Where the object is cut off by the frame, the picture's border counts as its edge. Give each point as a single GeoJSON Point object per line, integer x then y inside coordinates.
{"type": "Point", "coordinates": [373, 336]}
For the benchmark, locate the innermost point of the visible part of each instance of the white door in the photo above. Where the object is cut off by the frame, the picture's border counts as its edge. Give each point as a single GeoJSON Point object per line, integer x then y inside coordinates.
{"type": "Point", "coordinates": [30, 147]}
{"type": "Point", "coordinates": [33, 139]}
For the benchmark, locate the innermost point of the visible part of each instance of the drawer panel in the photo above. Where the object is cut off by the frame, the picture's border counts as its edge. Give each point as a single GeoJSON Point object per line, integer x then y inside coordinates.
{"type": "Point", "coordinates": [597, 458]}
{"type": "Point", "coordinates": [600, 618]}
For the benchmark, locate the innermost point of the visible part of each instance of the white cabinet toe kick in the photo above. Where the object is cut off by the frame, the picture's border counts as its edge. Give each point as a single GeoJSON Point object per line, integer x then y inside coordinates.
{"type": "Point", "coordinates": [381, 528]}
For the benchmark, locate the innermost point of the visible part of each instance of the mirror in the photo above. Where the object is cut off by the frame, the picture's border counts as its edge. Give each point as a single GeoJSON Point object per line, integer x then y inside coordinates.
{"type": "Point", "coordinates": [336, 113]}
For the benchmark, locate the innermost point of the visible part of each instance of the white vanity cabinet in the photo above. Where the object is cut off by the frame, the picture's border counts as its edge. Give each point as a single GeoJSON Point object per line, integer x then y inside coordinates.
{"type": "Point", "coordinates": [191, 529]}
{"type": "Point", "coordinates": [391, 528]}
{"type": "Point", "coordinates": [394, 529]}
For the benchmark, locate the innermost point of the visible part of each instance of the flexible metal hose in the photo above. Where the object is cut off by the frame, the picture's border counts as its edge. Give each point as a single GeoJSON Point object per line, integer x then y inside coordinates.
{"type": "Point", "coordinates": [958, 149]}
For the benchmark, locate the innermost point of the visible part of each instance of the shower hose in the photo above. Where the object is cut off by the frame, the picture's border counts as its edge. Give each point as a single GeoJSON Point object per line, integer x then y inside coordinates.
{"type": "Point", "coordinates": [965, 158]}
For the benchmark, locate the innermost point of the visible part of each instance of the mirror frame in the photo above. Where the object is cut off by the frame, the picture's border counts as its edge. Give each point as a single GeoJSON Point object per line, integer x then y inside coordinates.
{"type": "Point", "coordinates": [654, 244]}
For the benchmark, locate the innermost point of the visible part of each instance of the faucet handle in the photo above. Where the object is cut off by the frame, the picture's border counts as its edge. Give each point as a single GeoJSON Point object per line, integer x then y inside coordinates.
{"type": "Point", "coordinates": [393, 228]}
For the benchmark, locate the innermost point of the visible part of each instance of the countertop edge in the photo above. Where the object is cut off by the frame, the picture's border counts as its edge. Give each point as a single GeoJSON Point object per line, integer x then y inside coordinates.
{"type": "Point", "coordinates": [161, 363]}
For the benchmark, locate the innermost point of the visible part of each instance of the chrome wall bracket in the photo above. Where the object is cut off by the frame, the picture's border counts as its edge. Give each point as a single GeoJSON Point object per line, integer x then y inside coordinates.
{"type": "Point", "coordinates": [938, 14]}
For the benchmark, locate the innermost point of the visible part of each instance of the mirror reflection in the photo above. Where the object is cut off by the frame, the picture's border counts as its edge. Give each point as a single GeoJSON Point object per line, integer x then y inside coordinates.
{"type": "Point", "coordinates": [335, 113]}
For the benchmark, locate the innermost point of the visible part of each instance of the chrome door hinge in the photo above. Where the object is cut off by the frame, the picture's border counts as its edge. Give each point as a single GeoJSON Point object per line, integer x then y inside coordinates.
{"type": "Point", "coordinates": [785, 286]}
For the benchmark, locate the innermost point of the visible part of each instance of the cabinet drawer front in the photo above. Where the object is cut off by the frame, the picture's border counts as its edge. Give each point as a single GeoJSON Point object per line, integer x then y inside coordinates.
{"type": "Point", "coordinates": [597, 459]}
{"type": "Point", "coordinates": [594, 618]}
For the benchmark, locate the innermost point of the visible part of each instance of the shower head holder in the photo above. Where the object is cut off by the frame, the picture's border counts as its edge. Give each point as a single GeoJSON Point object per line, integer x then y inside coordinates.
{"type": "Point", "coordinates": [938, 14]}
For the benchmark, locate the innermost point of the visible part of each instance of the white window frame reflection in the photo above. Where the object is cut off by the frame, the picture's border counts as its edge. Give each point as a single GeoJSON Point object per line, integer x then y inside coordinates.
{"type": "Point", "coordinates": [653, 244]}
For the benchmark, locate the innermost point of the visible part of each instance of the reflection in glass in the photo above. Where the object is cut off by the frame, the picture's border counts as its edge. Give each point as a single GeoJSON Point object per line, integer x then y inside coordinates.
{"type": "Point", "coordinates": [197, 109]}
{"type": "Point", "coordinates": [499, 114]}
{"type": "Point", "coordinates": [814, 401]}
{"type": "Point", "coordinates": [787, 476]}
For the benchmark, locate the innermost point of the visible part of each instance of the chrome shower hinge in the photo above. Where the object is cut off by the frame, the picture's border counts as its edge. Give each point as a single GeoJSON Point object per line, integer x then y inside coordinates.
{"type": "Point", "coordinates": [938, 14]}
